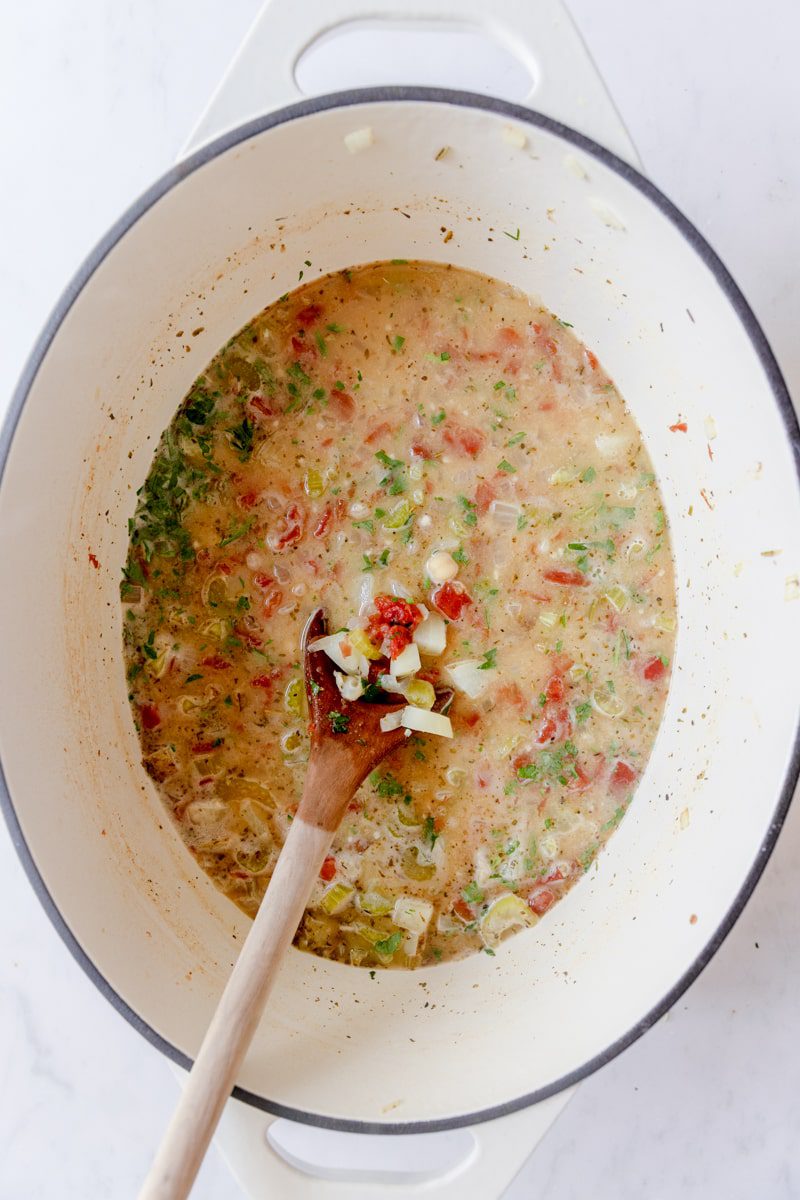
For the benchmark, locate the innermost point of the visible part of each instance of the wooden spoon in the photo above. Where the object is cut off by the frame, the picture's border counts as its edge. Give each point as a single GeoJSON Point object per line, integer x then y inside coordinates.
{"type": "Point", "coordinates": [346, 745]}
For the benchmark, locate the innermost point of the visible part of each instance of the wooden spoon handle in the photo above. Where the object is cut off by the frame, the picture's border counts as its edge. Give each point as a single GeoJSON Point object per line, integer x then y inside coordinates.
{"type": "Point", "coordinates": [213, 1075]}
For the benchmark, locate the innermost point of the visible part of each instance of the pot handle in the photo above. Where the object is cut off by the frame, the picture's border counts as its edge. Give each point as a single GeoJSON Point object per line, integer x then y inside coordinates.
{"type": "Point", "coordinates": [540, 33]}
{"type": "Point", "coordinates": [274, 1157]}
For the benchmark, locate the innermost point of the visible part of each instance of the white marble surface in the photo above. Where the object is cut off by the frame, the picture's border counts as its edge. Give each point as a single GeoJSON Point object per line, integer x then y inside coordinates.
{"type": "Point", "coordinates": [95, 99]}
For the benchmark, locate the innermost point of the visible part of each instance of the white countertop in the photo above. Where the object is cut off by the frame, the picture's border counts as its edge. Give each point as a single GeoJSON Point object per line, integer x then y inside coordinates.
{"type": "Point", "coordinates": [95, 101]}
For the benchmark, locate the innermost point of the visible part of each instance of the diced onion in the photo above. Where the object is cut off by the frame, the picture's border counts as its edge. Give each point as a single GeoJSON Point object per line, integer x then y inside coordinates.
{"type": "Point", "coordinates": [359, 139]}
{"type": "Point", "coordinates": [341, 651]}
{"type": "Point", "coordinates": [407, 661]}
{"type": "Point", "coordinates": [388, 683]}
{"type": "Point", "coordinates": [441, 566]}
{"type": "Point", "coordinates": [392, 720]}
{"type": "Point", "coordinates": [563, 475]}
{"type": "Point", "coordinates": [503, 513]}
{"type": "Point", "coordinates": [412, 914]}
{"type": "Point", "coordinates": [665, 622]}
{"type": "Point", "coordinates": [351, 687]}
{"type": "Point", "coordinates": [430, 636]}
{"type": "Point", "coordinates": [610, 444]}
{"type": "Point", "coordinates": [468, 677]}
{"type": "Point", "coordinates": [397, 589]}
{"type": "Point", "coordinates": [422, 720]}
{"type": "Point", "coordinates": [456, 776]}
{"type": "Point", "coordinates": [548, 618]}
{"type": "Point", "coordinates": [514, 136]}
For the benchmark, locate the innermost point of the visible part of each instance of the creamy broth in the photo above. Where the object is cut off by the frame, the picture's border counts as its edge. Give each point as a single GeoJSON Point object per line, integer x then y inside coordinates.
{"type": "Point", "coordinates": [415, 431]}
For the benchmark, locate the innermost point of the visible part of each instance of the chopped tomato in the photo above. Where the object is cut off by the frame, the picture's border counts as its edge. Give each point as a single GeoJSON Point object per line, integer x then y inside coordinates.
{"type": "Point", "coordinates": [203, 747]}
{"type": "Point", "coordinates": [309, 315]}
{"type": "Point", "coordinates": [484, 495]}
{"type": "Point", "coordinates": [679, 427]}
{"type": "Point", "coordinates": [150, 716]}
{"type": "Point", "coordinates": [328, 869]}
{"type": "Point", "coordinates": [341, 404]}
{"type": "Point", "coordinates": [378, 433]}
{"type": "Point", "coordinates": [555, 689]}
{"type": "Point", "coordinates": [622, 776]}
{"type": "Point", "coordinates": [272, 601]}
{"type": "Point", "coordinates": [247, 499]}
{"type": "Point", "coordinates": [465, 439]}
{"type": "Point", "coordinates": [294, 526]}
{"type": "Point", "coordinates": [463, 911]}
{"type": "Point", "coordinates": [565, 578]}
{"type": "Point", "coordinates": [328, 515]}
{"type": "Point", "coordinates": [262, 681]}
{"type": "Point", "coordinates": [541, 900]}
{"type": "Point", "coordinates": [248, 637]}
{"type": "Point", "coordinates": [581, 779]}
{"type": "Point", "coordinates": [93, 559]}
{"type": "Point", "coordinates": [592, 359]}
{"type": "Point", "coordinates": [654, 668]}
{"type": "Point", "coordinates": [396, 641]}
{"type": "Point", "coordinates": [215, 662]}
{"type": "Point", "coordinates": [422, 451]}
{"type": "Point", "coordinates": [547, 732]}
{"type": "Point", "coordinates": [509, 337]}
{"type": "Point", "coordinates": [261, 405]}
{"type": "Point", "coordinates": [392, 625]}
{"type": "Point", "coordinates": [301, 346]}
{"type": "Point", "coordinates": [451, 599]}
{"type": "Point", "coordinates": [471, 717]}
{"type": "Point", "coordinates": [561, 663]}
{"type": "Point", "coordinates": [510, 693]}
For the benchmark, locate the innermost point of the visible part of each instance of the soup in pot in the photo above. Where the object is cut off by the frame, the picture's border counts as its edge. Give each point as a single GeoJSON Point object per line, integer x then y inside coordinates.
{"type": "Point", "coordinates": [434, 458]}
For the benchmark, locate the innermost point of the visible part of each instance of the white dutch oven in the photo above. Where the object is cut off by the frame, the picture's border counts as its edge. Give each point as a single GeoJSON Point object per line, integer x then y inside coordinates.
{"type": "Point", "coordinates": [225, 233]}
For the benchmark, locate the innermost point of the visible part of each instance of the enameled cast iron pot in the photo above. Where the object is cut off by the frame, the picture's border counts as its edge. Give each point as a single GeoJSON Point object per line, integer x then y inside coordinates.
{"type": "Point", "coordinates": [217, 238]}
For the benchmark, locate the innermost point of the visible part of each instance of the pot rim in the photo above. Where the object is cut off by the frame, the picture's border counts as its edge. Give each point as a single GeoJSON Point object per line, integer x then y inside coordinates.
{"type": "Point", "coordinates": [753, 330]}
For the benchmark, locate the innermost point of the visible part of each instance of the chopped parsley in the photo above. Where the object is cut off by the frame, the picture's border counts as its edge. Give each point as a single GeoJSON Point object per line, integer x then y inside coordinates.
{"type": "Point", "coordinates": [387, 461]}
{"type": "Point", "coordinates": [242, 438]}
{"type": "Point", "coordinates": [390, 944]}
{"type": "Point", "coordinates": [339, 722]}
{"type": "Point", "coordinates": [429, 831]}
{"type": "Point", "coordinates": [505, 465]}
{"type": "Point", "coordinates": [489, 660]}
{"type": "Point", "coordinates": [386, 785]}
{"type": "Point", "coordinates": [233, 535]}
{"type": "Point", "coordinates": [472, 893]}
{"type": "Point", "coordinates": [470, 511]}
